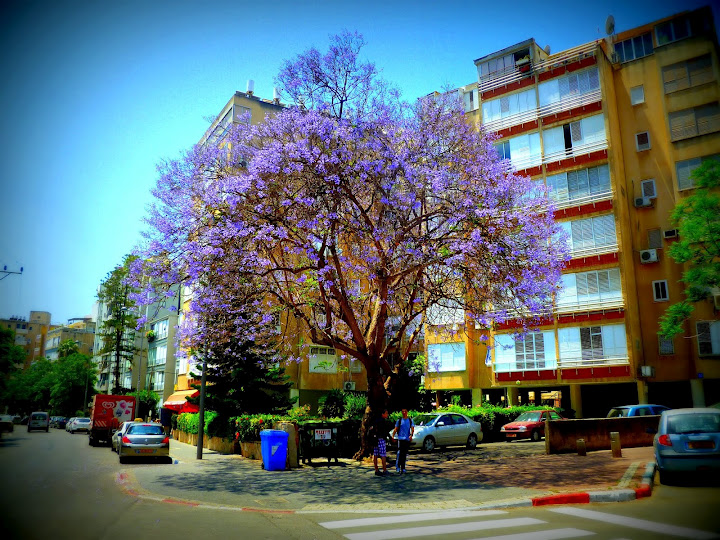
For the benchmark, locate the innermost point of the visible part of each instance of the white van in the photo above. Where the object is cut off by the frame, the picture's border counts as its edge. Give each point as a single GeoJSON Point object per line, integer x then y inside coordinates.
{"type": "Point", "coordinates": [39, 420]}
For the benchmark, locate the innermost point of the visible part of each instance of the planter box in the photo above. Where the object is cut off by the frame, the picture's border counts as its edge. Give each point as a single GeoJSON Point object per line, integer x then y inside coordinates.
{"type": "Point", "coordinates": [251, 450]}
{"type": "Point", "coordinates": [217, 444]}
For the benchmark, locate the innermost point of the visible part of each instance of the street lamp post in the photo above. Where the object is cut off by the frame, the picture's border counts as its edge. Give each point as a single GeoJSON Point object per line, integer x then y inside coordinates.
{"type": "Point", "coordinates": [201, 419]}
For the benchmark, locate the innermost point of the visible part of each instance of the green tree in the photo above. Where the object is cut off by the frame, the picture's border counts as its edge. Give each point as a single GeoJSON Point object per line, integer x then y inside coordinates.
{"type": "Point", "coordinates": [147, 401]}
{"type": "Point", "coordinates": [66, 348]}
{"type": "Point", "coordinates": [118, 328]}
{"type": "Point", "coordinates": [697, 219]}
{"type": "Point", "coordinates": [29, 390]}
{"type": "Point", "coordinates": [11, 355]}
{"type": "Point", "coordinates": [73, 378]}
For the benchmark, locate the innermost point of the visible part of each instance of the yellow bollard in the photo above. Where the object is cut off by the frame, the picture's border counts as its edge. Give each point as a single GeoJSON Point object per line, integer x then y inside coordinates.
{"type": "Point", "coordinates": [582, 451]}
{"type": "Point", "coordinates": [615, 444]}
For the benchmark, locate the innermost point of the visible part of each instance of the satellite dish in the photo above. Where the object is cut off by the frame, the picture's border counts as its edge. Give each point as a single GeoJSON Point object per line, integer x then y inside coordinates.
{"type": "Point", "coordinates": [610, 25]}
{"type": "Point", "coordinates": [547, 49]}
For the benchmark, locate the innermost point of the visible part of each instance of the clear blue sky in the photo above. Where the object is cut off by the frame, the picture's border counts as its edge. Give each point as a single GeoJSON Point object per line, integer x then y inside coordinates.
{"type": "Point", "coordinates": [95, 94]}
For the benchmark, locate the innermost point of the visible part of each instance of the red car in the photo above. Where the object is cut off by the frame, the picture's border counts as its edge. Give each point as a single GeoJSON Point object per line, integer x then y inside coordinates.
{"type": "Point", "coordinates": [529, 425]}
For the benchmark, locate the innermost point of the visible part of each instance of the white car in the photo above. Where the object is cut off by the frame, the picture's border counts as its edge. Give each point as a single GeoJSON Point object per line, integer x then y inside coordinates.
{"type": "Point", "coordinates": [79, 424]}
{"type": "Point", "coordinates": [445, 429]}
{"type": "Point", "coordinates": [116, 437]}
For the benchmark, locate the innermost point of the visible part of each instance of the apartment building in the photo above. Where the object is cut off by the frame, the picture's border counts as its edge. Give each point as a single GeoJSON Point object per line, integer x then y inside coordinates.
{"type": "Point", "coordinates": [613, 127]}
{"type": "Point", "coordinates": [80, 330]}
{"type": "Point", "coordinates": [30, 333]}
{"type": "Point", "coordinates": [161, 326]}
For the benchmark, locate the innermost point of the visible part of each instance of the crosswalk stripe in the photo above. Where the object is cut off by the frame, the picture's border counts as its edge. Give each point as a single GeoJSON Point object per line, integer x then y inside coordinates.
{"type": "Point", "coordinates": [413, 532]}
{"type": "Point", "coordinates": [554, 534]}
{"type": "Point", "coordinates": [408, 518]}
{"type": "Point", "coordinates": [635, 523]}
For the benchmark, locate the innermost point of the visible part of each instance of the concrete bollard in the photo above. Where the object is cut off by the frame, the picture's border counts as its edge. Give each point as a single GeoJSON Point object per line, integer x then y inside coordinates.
{"type": "Point", "coordinates": [292, 460]}
{"type": "Point", "coordinates": [582, 451]}
{"type": "Point", "coordinates": [615, 444]}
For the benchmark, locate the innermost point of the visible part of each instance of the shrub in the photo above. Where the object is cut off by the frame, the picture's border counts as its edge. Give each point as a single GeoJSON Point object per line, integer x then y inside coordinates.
{"type": "Point", "coordinates": [248, 428]}
{"type": "Point", "coordinates": [355, 403]}
{"type": "Point", "coordinates": [332, 404]}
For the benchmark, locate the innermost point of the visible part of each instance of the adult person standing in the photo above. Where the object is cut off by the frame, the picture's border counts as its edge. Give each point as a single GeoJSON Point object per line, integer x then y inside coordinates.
{"type": "Point", "coordinates": [403, 432]}
{"type": "Point", "coordinates": [378, 433]}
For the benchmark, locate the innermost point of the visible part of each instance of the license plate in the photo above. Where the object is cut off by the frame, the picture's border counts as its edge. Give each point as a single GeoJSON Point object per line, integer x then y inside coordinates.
{"type": "Point", "coordinates": [145, 451]}
{"type": "Point", "coordinates": [322, 434]}
{"type": "Point", "coordinates": [510, 434]}
{"type": "Point", "coordinates": [696, 445]}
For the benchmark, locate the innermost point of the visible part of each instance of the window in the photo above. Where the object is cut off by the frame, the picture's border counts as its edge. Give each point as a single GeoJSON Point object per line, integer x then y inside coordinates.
{"type": "Point", "coordinates": [536, 351]}
{"type": "Point", "coordinates": [567, 87]}
{"type": "Point", "coordinates": [665, 346]}
{"type": "Point", "coordinates": [446, 357]}
{"type": "Point", "coordinates": [503, 150]}
{"type": "Point", "coordinates": [674, 30]}
{"type": "Point", "coordinates": [241, 114]}
{"type": "Point", "coordinates": [682, 75]}
{"type": "Point", "coordinates": [633, 48]}
{"type": "Point", "coordinates": [642, 141]}
{"type": "Point", "coordinates": [647, 188]}
{"type": "Point", "coordinates": [708, 336]}
{"type": "Point", "coordinates": [637, 95]}
{"type": "Point", "coordinates": [579, 184]}
{"type": "Point", "coordinates": [575, 138]}
{"type": "Point", "coordinates": [591, 235]}
{"type": "Point", "coordinates": [660, 291]}
{"type": "Point", "coordinates": [583, 289]}
{"type": "Point", "coordinates": [470, 99]}
{"type": "Point", "coordinates": [160, 328]}
{"type": "Point", "coordinates": [161, 355]}
{"type": "Point", "coordinates": [654, 239]}
{"type": "Point", "coordinates": [322, 360]}
{"type": "Point", "coordinates": [594, 345]}
{"type": "Point", "coordinates": [684, 170]}
{"type": "Point", "coordinates": [693, 122]}
{"type": "Point", "coordinates": [509, 105]}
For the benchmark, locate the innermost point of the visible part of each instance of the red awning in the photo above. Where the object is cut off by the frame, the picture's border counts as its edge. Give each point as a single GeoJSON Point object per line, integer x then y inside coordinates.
{"type": "Point", "coordinates": [178, 401]}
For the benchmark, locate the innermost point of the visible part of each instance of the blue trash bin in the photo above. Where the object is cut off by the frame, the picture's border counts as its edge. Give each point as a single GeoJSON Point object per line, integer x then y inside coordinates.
{"type": "Point", "coordinates": [273, 447]}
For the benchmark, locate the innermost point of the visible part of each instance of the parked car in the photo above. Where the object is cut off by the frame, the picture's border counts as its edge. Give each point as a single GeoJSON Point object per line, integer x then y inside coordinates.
{"type": "Point", "coordinates": [80, 424]}
{"type": "Point", "coordinates": [117, 436]}
{"type": "Point", "coordinates": [6, 423]}
{"type": "Point", "coordinates": [637, 410]}
{"type": "Point", "coordinates": [141, 439]}
{"type": "Point", "coordinates": [529, 425]}
{"type": "Point", "coordinates": [687, 441]}
{"type": "Point", "coordinates": [39, 420]}
{"type": "Point", "coordinates": [58, 422]}
{"type": "Point", "coordinates": [69, 422]}
{"type": "Point", "coordinates": [445, 429]}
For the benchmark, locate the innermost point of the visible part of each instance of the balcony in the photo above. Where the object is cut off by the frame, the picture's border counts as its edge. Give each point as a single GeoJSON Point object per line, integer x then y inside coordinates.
{"type": "Point", "coordinates": [570, 103]}
{"type": "Point", "coordinates": [586, 361]}
{"type": "Point", "coordinates": [579, 253]}
{"type": "Point", "coordinates": [562, 203]}
{"type": "Point", "coordinates": [585, 305]}
{"type": "Point", "coordinates": [575, 151]}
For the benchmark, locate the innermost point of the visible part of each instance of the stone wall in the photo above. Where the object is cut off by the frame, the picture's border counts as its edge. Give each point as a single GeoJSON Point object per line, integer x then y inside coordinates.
{"type": "Point", "coordinates": [561, 435]}
{"type": "Point", "coordinates": [217, 444]}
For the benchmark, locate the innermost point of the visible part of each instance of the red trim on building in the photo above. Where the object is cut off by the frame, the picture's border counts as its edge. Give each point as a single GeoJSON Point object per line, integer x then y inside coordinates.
{"type": "Point", "coordinates": [568, 68]}
{"type": "Point", "coordinates": [593, 260]}
{"type": "Point", "coordinates": [531, 171]}
{"type": "Point", "coordinates": [534, 375]}
{"type": "Point", "coordinates": [574, 318]}
{"type": "Point", "coordinates": [599, 372]}
{"type": "Point", "coordinates": [589, 208]}
{"type": "Point", "coordinates": [576, 111]}
{"type": "Point", "coordinates": [576, 160]}
{"type": "Point", "coordinates": [517, 323]}
{"type": "Point", "coordinates": [499, 91]}
{"type": "Point", "coordinates": [515, 130]}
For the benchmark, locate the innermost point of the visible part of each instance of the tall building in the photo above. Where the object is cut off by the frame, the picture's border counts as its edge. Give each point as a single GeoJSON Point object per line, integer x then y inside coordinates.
{"type": "Point", "coordinates": [79, 330]}
{"type": "Point", "coordinates": [161, 370]}
{"type": "Point", "coordinates": [613, 127]}
{"type": "Point", "coordinates": [30, 334]}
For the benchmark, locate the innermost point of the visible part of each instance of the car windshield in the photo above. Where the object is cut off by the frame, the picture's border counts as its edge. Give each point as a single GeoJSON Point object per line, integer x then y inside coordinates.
{"type": "Point", "coordinates": [693, 423]}
{"type": "Point", "coordinates": [145, 430]}
{"type": "Point", "coordinates": [618, 412]}
{"type": "Point", "coordinates": [424, 419]}
{"type": "Point", "coordinates": [529, 417]}
{"type": "Point", "coordinates": [38, 417]}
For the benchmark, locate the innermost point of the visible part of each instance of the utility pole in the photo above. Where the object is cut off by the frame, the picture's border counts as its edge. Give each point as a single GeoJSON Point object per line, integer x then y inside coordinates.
{"type": "Point", "coordinates": [7, 272]}
{"type": "Point", "coordinates": [201, 419]}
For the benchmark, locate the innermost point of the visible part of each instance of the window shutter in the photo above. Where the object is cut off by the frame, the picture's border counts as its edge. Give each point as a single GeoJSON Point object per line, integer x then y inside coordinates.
{"type": "Point", "coordinates": [700, 70]}
{"type": "Point", "coordinates": [564, 86]}
{"type": "Point", "coordinates": [654, 239]}
{"type": "Point", "coordinates": [576, 132]}
{"type": "Point", "coordinates": [707, 118]}
{"type": "Point", "coordinates": [582, 286]}
{"type": "Point", "coordinates": [647, 187]}
{"type": "Point", "coordinates": [586, 344]}
{"type": "Point", "coordinates": [592, 285]}
{"type": "Point", "coordinates": [684, 170]}
{"type": "Point", "coordinates": [554, 140]}
{"type": "Point", "coordinates": [665, 346]}
{"type": "Point", "coordinates": [558, 185]}
{"type": "Point", "coordinates": [704, 338]}
{"type": "Point", "coordinates": [573, 84]}
{"type": "Point", "coordinates": [603, 277]}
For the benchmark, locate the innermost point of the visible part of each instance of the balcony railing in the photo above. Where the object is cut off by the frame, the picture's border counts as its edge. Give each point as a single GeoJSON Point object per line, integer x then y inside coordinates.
{"type": "Point", "coordinates": [560, 204]}
{"type": "Point", "coordinates": [575, 151]}
{"type": "Point", "coordinates": [580, 362]}
{"type": "Point", "coordinates": [571, 102]}
{"type": "Point", "coordinates": [594, 250]}
{"type": "Point", "coordinates": [516, 119]}
{"type": "Point", "coordinates": [563, 307]}
{"type": "Point", "coordinates": [528, 365]}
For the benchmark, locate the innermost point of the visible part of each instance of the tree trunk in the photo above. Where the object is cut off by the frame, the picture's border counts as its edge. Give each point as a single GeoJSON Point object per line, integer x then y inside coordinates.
{"type": "Point", "coordinates": [377, 401]}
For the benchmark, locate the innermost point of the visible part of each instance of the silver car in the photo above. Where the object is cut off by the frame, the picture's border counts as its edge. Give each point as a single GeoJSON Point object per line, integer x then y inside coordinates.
{"type": "Point", "coordinates": [687, 441]}
{"type": "Point", "coordinates": [79, 424]}
{"type": "Point", "coordinates": [142, 439]}
{"type": "Point", "coordinates": [445, 429]}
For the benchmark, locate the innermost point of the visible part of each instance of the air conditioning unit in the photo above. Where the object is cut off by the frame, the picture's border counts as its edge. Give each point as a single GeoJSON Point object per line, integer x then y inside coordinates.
{"type": "Point", "coordinates": [647, 371]}
{"type": "Point", "coordinates": [670, 233]}
{"type": "Point", "coordinates": [349, 386]}
{"type": "Point", "coordinates": [648, 256]}
{"type": "Point", "coordinates": [643, 202]}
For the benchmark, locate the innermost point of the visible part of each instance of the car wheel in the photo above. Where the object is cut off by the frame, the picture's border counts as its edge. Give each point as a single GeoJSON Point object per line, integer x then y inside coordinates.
{"type": "Point", "coordinates": [535, 436]}
{"type": "Point", "coordinates": [472, 441]}
{"type": "Point", "coordinates": [122, 459]}
{"type": "Point", "coordinates": [666, 478]}
{"type": "Point", "coordinates": [428, 444]}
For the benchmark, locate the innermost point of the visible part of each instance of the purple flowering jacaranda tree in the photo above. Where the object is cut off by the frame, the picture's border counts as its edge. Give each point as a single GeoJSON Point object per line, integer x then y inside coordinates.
{"type": "Point", "coordinates": [351, 216]}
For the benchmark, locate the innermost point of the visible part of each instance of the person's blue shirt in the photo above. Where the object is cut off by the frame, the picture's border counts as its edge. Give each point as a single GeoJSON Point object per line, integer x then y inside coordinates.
{"type": "Point", "coordinates": [404, 425]}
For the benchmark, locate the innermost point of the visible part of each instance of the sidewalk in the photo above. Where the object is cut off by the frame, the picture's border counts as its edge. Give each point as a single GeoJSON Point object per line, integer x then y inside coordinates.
{"type": "Point", "coordinates": [489, 475]}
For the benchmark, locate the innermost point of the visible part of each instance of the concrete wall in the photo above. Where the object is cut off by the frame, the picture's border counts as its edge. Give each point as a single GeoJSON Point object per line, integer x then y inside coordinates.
{"type": "Point", "coordinates": [561, 435]}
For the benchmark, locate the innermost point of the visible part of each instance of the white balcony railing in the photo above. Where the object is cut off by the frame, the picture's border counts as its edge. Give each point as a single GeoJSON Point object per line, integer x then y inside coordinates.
{"type": "Point", "coordinates": [575, 151]}
{"type": "Point", "coordinates": [561, 204]}
{"type": "Point", "coordinates": [580, 362]}
{"type": "Point", "coordinates": [513, 120]}
{"type": "Point", "coordinates": [579, 305]}
{"type": "Point", "coordinates": [594, 250]}
{"type": "Point", "coordinates": [528, 365]}
{"type": "Point", "coordinates": [571, 102]}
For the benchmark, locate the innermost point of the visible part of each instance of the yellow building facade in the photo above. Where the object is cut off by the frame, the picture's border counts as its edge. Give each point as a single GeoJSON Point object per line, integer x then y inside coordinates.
{"type": "Point", "coordinates": [614, 128]}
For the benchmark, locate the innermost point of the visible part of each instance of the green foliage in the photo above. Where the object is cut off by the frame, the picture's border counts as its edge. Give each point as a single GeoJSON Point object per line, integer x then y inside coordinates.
{"type": "Point", "coordinates": [697, 218]}
{"type": "Point", "coordinates": [147, 401]}
{"type": "Point", "coordinates": [66, 348]}
{"type": "Point", "coordinates": [355, 404]}
{"type": "Point", "coordinates": [11, 355]}
{"type": "Point", "coordinates": [29, 390]}
{"type": "Point", "coordinates": [188, 422]}
{"type": "Point", "coordinates": [72, 382]}
{"type": "Point", "coordinates": [248, 428]}
{"type": "Point", "coordinates": [332, 404]}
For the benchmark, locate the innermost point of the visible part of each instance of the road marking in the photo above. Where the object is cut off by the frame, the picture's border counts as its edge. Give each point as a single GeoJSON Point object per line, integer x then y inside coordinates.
{"type": "Point", "coordinates": [408, 518]}
{"type": "Point", "coordinates": [555, 534]}
{"type": "Point", "coordinates": [414, 532]}
{"type": "Point", "coordinates": [635, 523]}
{"type": "Point", "coordinates": [629, 474]}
